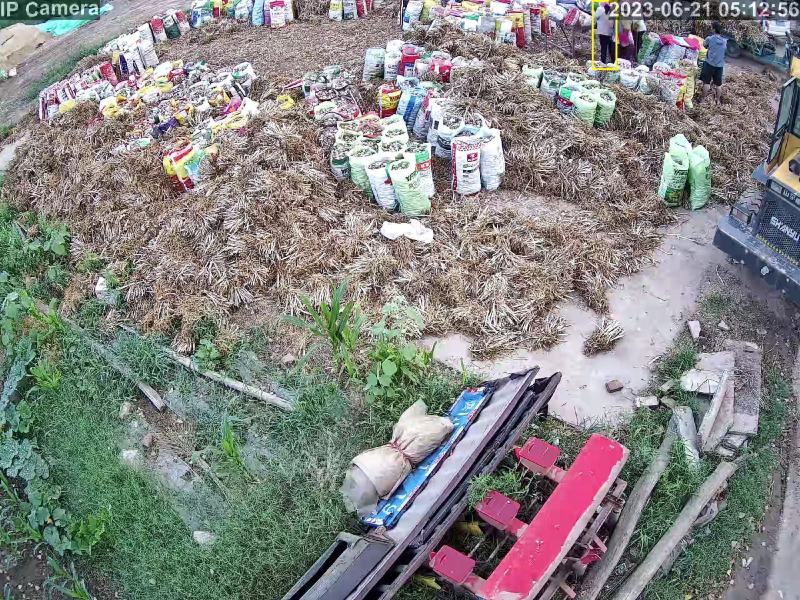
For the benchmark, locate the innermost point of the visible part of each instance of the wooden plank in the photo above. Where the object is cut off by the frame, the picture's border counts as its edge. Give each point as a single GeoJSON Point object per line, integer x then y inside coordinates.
{"type": "Point", "coordinates": [525, 570]}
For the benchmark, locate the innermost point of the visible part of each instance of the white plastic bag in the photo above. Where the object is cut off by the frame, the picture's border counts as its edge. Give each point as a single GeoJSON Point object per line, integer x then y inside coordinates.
{"type": "Point", "coordinates": [391, 65]}
{"type": "Point", "coordinates": [381, 183]}
{"type": "Point", "coordinates": [492, 160]}
{"type": "Point", "coordinates": [414, 437]}
{"type": "Point", "coordinates": [466, 168]}
{"type": "Point", "coordinates": [373, 64]}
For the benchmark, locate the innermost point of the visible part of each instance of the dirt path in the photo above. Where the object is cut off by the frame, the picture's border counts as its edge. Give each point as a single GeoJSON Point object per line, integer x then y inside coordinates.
{"type": "Point", "coordinates": [127, 15]}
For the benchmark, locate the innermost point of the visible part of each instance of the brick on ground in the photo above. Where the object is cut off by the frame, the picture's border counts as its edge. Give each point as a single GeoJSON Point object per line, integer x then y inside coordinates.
{"type": "Point", "coordinates": [748, 387]}
{"type": "Point", "coordinates": [722, 362]}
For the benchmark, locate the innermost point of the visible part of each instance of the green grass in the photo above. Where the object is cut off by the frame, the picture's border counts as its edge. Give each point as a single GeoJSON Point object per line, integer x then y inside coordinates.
{"type": "Point", "coordinates": [705, 565]}
{"type": "Point", "coordinates": [714, 305]}
{"type": "Point", "coordinates": [5, 131]}
{"type": "Point", "coordinates": [61, 70]}
{"type": "Point", "coordinates": [274, 529]}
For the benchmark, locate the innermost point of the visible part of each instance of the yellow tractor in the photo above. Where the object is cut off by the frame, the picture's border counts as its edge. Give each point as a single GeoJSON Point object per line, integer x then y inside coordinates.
{"type": "Point", "coordinates": [762, 231]}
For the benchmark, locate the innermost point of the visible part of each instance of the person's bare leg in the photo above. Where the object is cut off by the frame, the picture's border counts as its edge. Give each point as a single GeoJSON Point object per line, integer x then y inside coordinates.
{"type": "Point", "coordinates": [718, 94]}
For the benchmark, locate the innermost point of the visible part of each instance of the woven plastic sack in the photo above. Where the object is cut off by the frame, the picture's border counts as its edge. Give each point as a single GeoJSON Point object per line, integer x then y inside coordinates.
{"type": "Point", "coordinates": [629, 78]}
{"type": "Point", "coordinates": [533, 75]}
{"type": "Point", "coordinates": [699, 177]}
{"type": "Point", "coordinates": [673, 175]}
{"type": "Point", "coordinates": [257, 17]}
{"type": "Point", "coordinates": [340, 163]}
{"type": "Point", "coordinates": [606, 103]}
{"type": "Point", "coordinates": [349, 11]}
{"type": "Point", "coordinates": [422, 156]}
{"type": "Point", "coordinates": [359, 157]}
{"type": "Point", "coordinates": [466, 163]}
{"type": "Point", "coordinates": [395, 133]}
{"type": "Point", "coordinates": [493, 162]}
{"type": "Point", "coordinates": [670, 91]}
{"type": "Point", "coordinates": [334, 10]}
{"type": "Point", "coordinates": [423, 120]}
{"type": "Point", "coordinates": [649, 84]}
{"type": "Point", "coordinates": [575, 81]}
{"type": "Point", "coordinates": [584, 106]}
{"type": "Point", "coordinates": [551, 82]}
{"type": "Point", "coordinates": [412, 14]}
{"type": "Point", "coordinates": [623, 63]}
{"type": "Point", "coordinates": [373, 64]}
{"type": "Point", "coordinates": [410, 103]}
{"type": "Point", "coordinates": [408, 187]}
{"type": "Point", "coordinates": [381, 183]}
{"type": "Point", "coordinates": [671, 54]}
{"type": "Point", "coordinates": [651, 44]}
{"type": "Point", "coordinates": [392, 64]}
{"type": "Point", "coordinates": [444, 135]}
{"type": "Point", "coordinates": [377, 472]}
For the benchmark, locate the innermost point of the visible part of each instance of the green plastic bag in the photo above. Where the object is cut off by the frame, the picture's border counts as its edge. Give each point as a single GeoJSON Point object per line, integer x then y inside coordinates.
{"type": "Point", "coordinates": [408, 187]}
{"type": "Point", "coordinates": [699, 177]}
{"type": "Point", "coordinates": [673, 176]}
{"type": "Point", "coordinates": [584, 106]}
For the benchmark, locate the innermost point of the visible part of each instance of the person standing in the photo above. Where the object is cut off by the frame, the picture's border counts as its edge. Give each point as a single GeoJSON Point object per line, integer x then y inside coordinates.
{"type": "Point", "coordinates": [605, 31]}
{"type": "Point", "coordinates": [639, 28]}
{"type": "Point", "coordinates": [625, 43]}
{"type": "Point", "coordinates": [714, 65]}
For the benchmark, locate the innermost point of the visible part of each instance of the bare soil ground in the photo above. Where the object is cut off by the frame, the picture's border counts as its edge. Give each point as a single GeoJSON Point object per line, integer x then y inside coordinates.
{"type": "Point", "coordinates": [127, 15]}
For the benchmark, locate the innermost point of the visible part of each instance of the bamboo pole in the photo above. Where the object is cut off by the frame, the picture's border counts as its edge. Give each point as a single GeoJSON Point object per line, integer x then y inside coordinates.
{"type": "Point", "coordinates": [635, 584]}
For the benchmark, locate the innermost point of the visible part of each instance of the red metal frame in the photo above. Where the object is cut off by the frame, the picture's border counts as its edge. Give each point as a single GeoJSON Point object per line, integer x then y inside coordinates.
{"type": "Point", "coordinates": [571, 516]}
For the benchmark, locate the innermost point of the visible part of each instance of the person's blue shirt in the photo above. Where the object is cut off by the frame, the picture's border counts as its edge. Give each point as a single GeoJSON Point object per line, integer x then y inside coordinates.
{"type": "Point", "coordinates": [716, 45]}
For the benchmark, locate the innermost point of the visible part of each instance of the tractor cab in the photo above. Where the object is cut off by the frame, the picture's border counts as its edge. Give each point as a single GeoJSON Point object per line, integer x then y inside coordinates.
{"type": "Point", "coordinates": [762, 230]}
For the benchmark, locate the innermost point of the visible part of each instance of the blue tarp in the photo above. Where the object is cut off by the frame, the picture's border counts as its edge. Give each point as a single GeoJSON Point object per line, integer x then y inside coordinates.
{"type": "Point", "coordinates": [463, 412]}
{"type": "Point", "coordinates": [59, 27]}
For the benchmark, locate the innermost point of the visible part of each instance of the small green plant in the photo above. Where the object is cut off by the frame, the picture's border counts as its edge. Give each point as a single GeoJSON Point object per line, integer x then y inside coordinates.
{"type": "Point", "coordinates": [207, 356]}
{"type": "Point", "coordinates": [87, 533]}
{"type": "Point", "coordinates": [68, 583]}
{"type": "Point", "coordinates": [228, 441]}
{"type": "Point", "coordinates": [45, 375]}
{"type": "Point", "coordinates": [90, 263]}
{"type": "Point", "coordinates": [205, 329]}
{"type": "Point", "coordinates": [395, 367]}
{"type": "Point", "coordinates": [339, 322]}
{"type": "Point", "coordinates": [55, 239]}
{"type": "Point", "coordinates": [509, 482]}
{"type": "Point", "coordinates": [396, 363]}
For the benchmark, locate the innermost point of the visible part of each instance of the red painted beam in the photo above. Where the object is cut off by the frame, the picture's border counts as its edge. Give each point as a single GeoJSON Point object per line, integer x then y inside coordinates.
{"type": "Point", "coordinates": [525, 570]}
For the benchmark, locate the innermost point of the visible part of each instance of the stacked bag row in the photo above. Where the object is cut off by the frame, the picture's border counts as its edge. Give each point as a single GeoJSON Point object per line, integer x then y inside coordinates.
{"type": "Point", "coordinates": [515, 22]}
{"type": "Point", "coordinates": [378, 156]}
{"type": "Point", "coordinates": [686, 171]}
{"type": "Point", "coordinates": [674, 85]}
{"type": "Point", "coordinates": [574, 94]}
{"type": "Point", "coordinates": [269, 13]}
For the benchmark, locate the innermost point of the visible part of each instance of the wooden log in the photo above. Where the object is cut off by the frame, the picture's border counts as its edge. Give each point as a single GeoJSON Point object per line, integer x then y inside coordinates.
{"type": "Point", "coordinates": [233, 384]}
{"type": "Point", "coordinates": [635, 584]}
{"type": "Point", "coordinates": [601, 571]}
{"type": "Point", "coordinates": [112, 359]}
{"type": "Point", "coordinates": [155, 398]}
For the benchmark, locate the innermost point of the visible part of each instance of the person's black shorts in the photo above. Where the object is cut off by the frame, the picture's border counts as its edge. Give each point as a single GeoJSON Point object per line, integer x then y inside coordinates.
{"type": "Point", "coordinates": [711, 73]}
